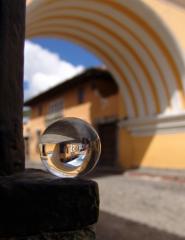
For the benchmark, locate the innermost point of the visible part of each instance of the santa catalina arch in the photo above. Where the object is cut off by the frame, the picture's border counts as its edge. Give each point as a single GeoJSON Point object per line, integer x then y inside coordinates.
{"type": "Point", "coordinates": [143, 48]}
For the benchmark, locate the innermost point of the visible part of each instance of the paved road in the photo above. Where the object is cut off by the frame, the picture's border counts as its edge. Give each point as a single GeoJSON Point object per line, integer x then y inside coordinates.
{"type": "Point", "coordinates": [136, 206]}
{"type": "Point", "coordinates": [141, 207]}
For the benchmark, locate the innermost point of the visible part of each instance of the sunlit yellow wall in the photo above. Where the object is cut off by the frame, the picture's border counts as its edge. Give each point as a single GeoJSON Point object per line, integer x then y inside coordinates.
{"type": "Point", "coordinates": [158, 151]}
{"type": "Point", "coordinates": [173, 16]}
{"type": "Point", "coordinates": [166, 151]}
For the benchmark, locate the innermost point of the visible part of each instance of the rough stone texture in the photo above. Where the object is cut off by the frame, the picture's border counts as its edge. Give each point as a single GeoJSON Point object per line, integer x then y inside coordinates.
{"type": "Point", "coordinates": [12, 24]}
{"type": "Point", "coordinates": [85, 234]}
{"type": "Point", "coordinates": [34, 202]}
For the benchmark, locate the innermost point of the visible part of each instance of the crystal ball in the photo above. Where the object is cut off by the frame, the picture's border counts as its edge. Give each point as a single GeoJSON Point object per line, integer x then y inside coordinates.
{"type": "Point", "coordinates": [70, 147]}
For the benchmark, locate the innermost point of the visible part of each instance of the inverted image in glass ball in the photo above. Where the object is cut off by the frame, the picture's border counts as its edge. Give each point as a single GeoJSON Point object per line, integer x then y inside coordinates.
{"type": "Point", "coordinates": [70, 147]}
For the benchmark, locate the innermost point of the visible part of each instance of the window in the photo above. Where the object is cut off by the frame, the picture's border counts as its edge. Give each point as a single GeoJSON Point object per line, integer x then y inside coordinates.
{"type": "Point", "coordinates": [39, 110]}
{"type": "Point", "coordinates": [56, 106]}
{"type": "Point", "coordinates": [38, 133]}
{"type": "Point", "coordinates": [81, 95]}
{"type": "Point", "coordinates": [55, 111]}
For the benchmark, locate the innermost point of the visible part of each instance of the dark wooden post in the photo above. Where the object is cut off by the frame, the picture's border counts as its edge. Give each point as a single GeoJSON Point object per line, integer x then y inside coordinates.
{"type": "Point", "coordinates": [12, 28]}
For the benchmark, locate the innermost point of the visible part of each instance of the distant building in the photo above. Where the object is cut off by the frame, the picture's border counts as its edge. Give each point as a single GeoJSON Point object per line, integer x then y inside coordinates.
{"type": "Point", "coordinates": [92, 96]}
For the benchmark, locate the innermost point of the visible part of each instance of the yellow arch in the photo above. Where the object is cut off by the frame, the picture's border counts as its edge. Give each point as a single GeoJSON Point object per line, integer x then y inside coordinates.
{"type": "Point", "coordinates": [161, 78]}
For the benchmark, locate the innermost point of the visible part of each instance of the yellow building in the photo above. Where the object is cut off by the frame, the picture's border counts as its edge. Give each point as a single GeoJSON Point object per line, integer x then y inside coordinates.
{"type": "Point", "coordinates": [142, 44]}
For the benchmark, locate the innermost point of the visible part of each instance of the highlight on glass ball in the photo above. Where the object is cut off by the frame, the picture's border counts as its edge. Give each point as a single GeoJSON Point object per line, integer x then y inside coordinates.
{"type": "Point", "coordinates": [70, 147]}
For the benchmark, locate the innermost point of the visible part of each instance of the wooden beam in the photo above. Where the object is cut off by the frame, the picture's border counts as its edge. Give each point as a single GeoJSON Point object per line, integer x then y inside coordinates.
{"type": "Point", "coordinates": [12, 30]}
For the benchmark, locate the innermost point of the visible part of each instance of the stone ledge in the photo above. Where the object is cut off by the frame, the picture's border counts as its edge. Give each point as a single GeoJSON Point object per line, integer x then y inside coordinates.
{"type": "Point", "coordinates": [85, 234]}
{"type": "Point", "coordinates": [34, 201]}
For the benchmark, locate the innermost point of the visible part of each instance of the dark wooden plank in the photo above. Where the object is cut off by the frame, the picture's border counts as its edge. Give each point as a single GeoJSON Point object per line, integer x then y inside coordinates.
{"type": "Point", "coordinates": [12, 28]}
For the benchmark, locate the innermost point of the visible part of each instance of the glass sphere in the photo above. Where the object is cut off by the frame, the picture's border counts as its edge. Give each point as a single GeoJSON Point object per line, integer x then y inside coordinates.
{"type": "Point", "coordinates": [70, 147]}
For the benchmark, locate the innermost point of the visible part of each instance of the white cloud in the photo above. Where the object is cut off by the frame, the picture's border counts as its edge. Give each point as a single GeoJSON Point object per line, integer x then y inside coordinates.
{"type": "Point", "coordinates": [44, 69]}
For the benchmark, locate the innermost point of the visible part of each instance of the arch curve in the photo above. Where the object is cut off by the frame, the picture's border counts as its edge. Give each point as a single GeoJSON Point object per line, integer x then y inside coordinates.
{"type": "Point", "coordinates": [130, 38]}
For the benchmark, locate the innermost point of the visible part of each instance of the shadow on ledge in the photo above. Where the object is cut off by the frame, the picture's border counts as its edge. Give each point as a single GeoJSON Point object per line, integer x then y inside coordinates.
{"type": "Point", "coordinates": [111, 227]}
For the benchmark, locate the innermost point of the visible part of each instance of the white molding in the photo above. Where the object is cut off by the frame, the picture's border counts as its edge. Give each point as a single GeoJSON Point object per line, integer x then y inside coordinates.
{"type": "Point", "coordinates": [160, 124]}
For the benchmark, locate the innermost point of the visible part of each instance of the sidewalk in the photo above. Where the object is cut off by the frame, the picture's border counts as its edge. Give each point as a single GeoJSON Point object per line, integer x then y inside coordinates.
{"type": "Point", "coordinates": [150, 173]}
{"type": "Point", "coordinates": [142, 205]}
{"type": "Point", "coordinates": [159, 174]}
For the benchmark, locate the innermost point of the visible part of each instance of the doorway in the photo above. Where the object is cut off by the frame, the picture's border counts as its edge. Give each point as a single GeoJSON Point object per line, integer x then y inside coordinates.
{"type": "Point", "coordinates": [108, 133]}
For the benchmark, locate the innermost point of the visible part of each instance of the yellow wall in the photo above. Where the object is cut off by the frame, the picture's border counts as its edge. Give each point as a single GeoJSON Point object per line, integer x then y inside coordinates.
{"type": "Point", "coordinates": [30, 129]}
{"type": "Point", "coordinates": [164, 151]}
{"type": "Point", "coordinates": [125, 148]}
{"type": "Point", "coordinates": [158, 151]}
{"type": "Point", "coordinates": [94, 107]}
{"type": "Point", "coordinates": [173, 16]}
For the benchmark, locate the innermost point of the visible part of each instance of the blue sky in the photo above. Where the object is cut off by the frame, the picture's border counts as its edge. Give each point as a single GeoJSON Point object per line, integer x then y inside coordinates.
{"type": "Point", "coordinates": [51, 61]}
{"type": "Point", "coordinates": [69, 51]}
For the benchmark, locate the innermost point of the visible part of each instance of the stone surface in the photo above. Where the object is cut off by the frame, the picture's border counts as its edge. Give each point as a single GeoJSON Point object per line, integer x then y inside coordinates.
{"type": "Point", "coordinates": [12, 24]}
{"type": "Point", "coordinates": [85, 234]}
{"type": "Point", "coordinates": [34, 201]}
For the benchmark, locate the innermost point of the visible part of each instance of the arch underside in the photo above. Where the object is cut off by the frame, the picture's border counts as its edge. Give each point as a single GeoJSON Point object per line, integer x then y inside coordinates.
{"type": "Point", "coordinates": [129, 38]}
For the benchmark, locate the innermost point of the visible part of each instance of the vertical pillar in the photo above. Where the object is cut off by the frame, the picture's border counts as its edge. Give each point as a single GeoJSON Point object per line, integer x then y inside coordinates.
{"type": "Point", "coordinates": [12, 26]}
